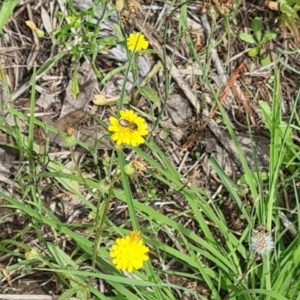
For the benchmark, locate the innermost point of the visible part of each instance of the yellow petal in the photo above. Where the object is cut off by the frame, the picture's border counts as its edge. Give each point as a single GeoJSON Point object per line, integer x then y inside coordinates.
{"type": "Point", "coordinates": [31, 25]}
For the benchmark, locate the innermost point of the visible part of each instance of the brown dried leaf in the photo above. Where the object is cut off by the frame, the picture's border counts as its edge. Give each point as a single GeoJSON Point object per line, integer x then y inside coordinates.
{"type": "Point", "coordinates": [5, 274]}
{"type": "Point", "coordinates": [179, 109]}
{"type": "Point", "coordinates": [71, 119]}
{"type": "Point", "coordinates": [180, 112]}
{"type": "Point", "coordinates": [102, 100]}
{"type": "Point", "coordinates": [45, 100]}
{"type": "Point", "coordinates": [273, 5]}
{"type": "Point", "coordinates": [226, 160]}
{"type": "Point", "coordinates": [31, 25]}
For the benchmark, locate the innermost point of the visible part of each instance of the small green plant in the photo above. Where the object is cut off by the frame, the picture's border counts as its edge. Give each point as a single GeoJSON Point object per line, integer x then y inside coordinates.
{"type": "Point", "coordinates": [285, 137]}
{"type": "Point", "coordinates": [81, 36]}
{"type": "Point", "coordinates": [288, 14]}
{"type": "Point", "coordinates": [258, 39]}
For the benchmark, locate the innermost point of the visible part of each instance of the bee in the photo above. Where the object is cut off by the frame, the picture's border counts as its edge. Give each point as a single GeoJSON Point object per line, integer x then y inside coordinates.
{"type": "Point", "coordinates": [124, 123]}
{"type": "Point", "coordinates": [261, 230]}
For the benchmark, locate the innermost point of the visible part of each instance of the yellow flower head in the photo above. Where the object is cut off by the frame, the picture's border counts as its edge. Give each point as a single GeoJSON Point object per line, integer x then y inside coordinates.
{"type": "Point", "coordinates": [129, 129]}
{"type": "Point", "coordinates": [129, 252]}
{"type": "Point", "coordinates": [137, 42]}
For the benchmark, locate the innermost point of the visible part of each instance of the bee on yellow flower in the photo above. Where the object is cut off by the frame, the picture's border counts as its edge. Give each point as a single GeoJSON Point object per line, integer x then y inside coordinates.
{"type": "Point", "coordinates": [129, 129]}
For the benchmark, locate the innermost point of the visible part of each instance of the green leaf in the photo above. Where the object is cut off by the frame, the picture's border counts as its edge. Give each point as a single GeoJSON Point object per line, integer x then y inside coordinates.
{"type": "Point", "coordinates": [150, 95]}
{"type": "Point", "coordinates": [296, 7]}
{"type": "Point", "coordinates": [287, 2]}
{"type": "Point", "coordinates": [6, 10]}
{"type": "Point", "coordinates": [266, 114]}
{"type": "Point", "coordinates": [289, 11]}
{"type": "Point", "coordinates": [286, 132]}
{"type": "Point", "coordinates": [253, 52]}
{"type": "Point", "coordinates": [259, 176]}
{"type": "Point", "coordinates": [268, 36]}
{"type": "Point", "coordinates": [257, 28]}
{"type": "Point", "coordinates": [248, 38]}
{"type": "Point", "coordinates": [291, 25]}
{"type": "Point", "coordinates": [61, 258]}
{"type": "Point", "coordinates": [265, 61]}
{"type": "Point", "coordinates": [257, 292]}
{"type": "Point", "coordinates": [75, 86]}
{"type": "Point", "coordinates": [69, 293]}
{"type": "Point", "coordinates": [296, 256]}
{"type": "Point", "coordinates": [49, 63]}
{"type": "Point", "coordinates": [65, 262]}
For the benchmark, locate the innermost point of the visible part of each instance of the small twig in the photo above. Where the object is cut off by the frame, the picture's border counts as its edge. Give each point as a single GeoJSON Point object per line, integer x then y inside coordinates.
{"type": "Point", "coordinates": [236, 90]}
{"type": "Point", "coordinates": [226, 89]}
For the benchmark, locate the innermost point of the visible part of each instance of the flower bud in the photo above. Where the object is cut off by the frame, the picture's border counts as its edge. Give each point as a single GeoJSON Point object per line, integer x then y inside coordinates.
{"type": "Point", "coordinates": [129, 169]}
{"type": "Point", "coordinates": [32, 253]}
{"type": "Point", "coordinates": [104, 186]}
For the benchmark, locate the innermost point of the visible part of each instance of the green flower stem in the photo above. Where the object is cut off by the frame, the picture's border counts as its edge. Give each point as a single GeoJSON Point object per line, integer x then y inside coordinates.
{"type": "Point", "coordinates": [127, 191]}
{"type": "Point", "coordinates": [134, 221]}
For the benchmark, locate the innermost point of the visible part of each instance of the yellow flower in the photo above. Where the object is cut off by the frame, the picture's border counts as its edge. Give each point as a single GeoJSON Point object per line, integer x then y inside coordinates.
{"type": "Point", "coordinates": [129, 129]}
{"type": "Point", "coordinates": [129, 252]}
{"type": "Point", "coordinates": [137, 42]}
{"type": "Point", "coordinates": [32, 26]}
